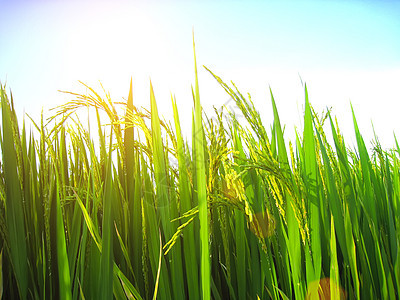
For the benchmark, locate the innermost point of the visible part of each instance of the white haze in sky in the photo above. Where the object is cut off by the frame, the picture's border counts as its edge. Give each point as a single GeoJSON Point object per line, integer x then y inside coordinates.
{"type": "Point", "coordinates": [344, 52]}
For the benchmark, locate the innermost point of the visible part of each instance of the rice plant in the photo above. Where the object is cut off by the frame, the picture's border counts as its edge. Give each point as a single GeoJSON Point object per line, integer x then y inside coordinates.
{"type": "Point", "coordinates": [133, 209]}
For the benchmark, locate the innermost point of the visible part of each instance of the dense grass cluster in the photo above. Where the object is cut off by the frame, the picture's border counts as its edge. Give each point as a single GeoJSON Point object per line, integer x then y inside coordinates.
{"type": "Point", "coordinates": [230, 213]}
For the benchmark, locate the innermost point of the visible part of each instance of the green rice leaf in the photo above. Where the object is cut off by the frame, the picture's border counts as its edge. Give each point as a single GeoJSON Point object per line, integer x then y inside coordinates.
{"type": "Point", "coordinates": [62, 257]}
{"type": "Point", "coordinates": [201, 190]}
{"type": "Point", "coordinates": [312, 193]}
{"type": "Point", "coordinates": [106, 263]}
{"type": "Point", "coordinates": [14, 201]}
{"type": "Point", "coordinates": [189, 243]}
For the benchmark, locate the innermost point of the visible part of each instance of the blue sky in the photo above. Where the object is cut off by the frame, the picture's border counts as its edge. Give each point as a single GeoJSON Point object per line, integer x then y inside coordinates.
{"type": "Point", "coordinates": [344, 50]}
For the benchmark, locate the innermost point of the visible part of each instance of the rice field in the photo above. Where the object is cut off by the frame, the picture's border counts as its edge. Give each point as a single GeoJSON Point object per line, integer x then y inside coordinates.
{"type": "Point", "coordinates": [132, 209]}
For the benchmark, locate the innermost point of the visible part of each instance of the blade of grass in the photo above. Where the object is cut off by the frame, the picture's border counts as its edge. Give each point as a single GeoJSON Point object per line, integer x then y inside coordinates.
{"type": "Point", "coordinates": [313, 201]}
{"type": "Point", "coordinates": [106, 263]}
{"type": "Point", "coordinates": [189, 244]}
{"type": "Point", "coordinates": [292, 237]}
{"type": "Point", "coordinates": [334, 270]}
{"type": "Point", "coordinates": [62, 257]}
{"type": "Point", "coordinates": [201, 190]}
{"type": "Point", "coordinates": [14, 201]}
{"type": "Point", "coordinates": [163, 198]}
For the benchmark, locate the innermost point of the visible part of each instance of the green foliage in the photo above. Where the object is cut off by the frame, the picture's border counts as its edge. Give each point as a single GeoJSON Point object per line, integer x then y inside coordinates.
{"type": "Point", "coordinates": [134, 212]}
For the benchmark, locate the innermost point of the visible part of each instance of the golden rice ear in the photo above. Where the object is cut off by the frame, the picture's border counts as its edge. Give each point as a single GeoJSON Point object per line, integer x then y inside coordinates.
{"type": "Point", "coordinates": [263, 224]}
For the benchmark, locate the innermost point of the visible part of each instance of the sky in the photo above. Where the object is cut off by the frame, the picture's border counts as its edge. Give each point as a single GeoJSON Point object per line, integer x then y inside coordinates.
{"type": "Point", "coordinates": [345, 51]}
